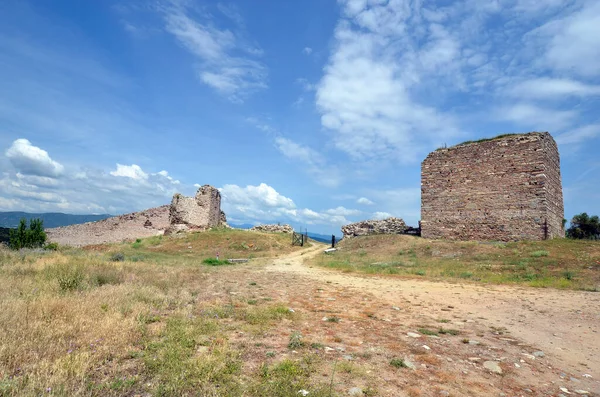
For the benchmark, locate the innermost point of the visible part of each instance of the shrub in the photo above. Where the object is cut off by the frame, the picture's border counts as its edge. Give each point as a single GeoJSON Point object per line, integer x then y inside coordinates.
{"type": "Point", "coordinates": [117, 257]}
{"type": "Point", "coordinates": [216, 262]}
{"type": "Point", "coordinates": [398, 363]}
{"type": "Point", "coordinates": [105, 274]}
{"type": "Point", "coordinates": [295, 341]}
{"type": "Point", "coordinates": [51, 247]}
{"type": "Point", "coordinates": [24, 237]}
{"type": "Point", "coordinates": [69, 276]}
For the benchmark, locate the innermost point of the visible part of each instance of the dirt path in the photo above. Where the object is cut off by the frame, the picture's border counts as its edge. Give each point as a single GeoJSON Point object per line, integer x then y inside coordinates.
{"type": "Point", "coordinates": [565, 325]}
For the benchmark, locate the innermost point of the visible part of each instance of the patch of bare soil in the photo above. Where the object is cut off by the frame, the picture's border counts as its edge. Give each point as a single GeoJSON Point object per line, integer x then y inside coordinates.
{"type": "Point", "coordinates": [487, 340]}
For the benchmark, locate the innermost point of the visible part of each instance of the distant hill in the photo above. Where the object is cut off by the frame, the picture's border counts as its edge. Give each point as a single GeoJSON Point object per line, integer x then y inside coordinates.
{"type": "Point", "coordinates": [51, 219]}
{"type": "Point", "coordinates": [323, 238]}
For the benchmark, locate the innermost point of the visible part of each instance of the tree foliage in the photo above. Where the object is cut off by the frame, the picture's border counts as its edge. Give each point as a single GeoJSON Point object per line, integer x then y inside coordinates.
{"type": "Point", "coordinates": [584, 226]}
{"type": "Point", "coordinates": [33, 236]}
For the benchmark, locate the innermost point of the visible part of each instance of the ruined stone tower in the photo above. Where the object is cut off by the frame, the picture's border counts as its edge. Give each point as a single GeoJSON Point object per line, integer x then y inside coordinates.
{"type": "Point", "coordinates": [505, 188]}
{"type": "Point", "coordinates": [195, 213]}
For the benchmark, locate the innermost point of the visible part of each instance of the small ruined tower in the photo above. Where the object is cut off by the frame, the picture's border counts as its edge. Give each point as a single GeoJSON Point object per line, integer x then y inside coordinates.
{"type": "Point", "coordinates": [195, 213]}
{"type": "Point", "coordinates": [505, 188]}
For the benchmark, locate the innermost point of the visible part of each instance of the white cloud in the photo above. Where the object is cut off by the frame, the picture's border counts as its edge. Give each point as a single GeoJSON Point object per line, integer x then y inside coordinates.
{"type": "Point", "coordinates": [221, 65]}
{"type": "Point", "coordinates": [579, 135]}
{"type": "Point", "coordinates": [311, 160]}
{"type": "Point", "coordinates": [573, 42]}
{"type": "Point", "coordinates": [381, 215]}
{"type": "Point", "coordinates": [550, 88]}
{"type": "Point", "coordinates": [536, 117]}
{"type": "Point", "coordinates": [32, 160]}
{"type": "Point", "coordinates": [133, 171]}
{"type": "Point", "coordinates": [262, 195]}
{"type": "Point", "coordinates": [263, 204]}
{"type": "Point", "coordinates": [364, 201]}
{"type": "Point", "coordinates": [365, 96]}
{"type": "Point", "coordinates": [307, 50]}
{"type": "Point", "coordinates": [342, 211]}
{"type": "Point", "coordinates": [126, 189]}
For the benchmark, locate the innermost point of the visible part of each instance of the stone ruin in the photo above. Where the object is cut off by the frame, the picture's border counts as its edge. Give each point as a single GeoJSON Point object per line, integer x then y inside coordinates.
{"type": "Point", "coordinates": [200, 212]}
{"type": "Point", "coordinates": [503, 189]}
{"type": "Point", "coordinates": [364, 228]}
{"type": "Point", "coordinates": [273, 229]}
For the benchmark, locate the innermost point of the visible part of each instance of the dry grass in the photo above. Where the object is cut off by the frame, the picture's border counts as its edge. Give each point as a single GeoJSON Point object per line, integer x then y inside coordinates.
{"type": "Point", "coordinates": [77, 323]}
{"type": "Point", "coordinates": [156, 321]}
{"type": "Point", "coordinates": [560, 263]}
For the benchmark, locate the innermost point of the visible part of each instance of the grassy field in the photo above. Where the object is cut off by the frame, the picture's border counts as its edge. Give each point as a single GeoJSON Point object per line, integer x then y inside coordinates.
{"type": "Point", "coordinates": [147, 318]}
{"type": "Point", "coordinates": [559, 263]}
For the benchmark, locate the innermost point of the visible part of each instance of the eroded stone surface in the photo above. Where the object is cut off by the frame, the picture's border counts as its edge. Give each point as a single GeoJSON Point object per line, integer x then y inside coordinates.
{"type": "Point", "coordinates": [200, 212]}
{"type": "Point", "coordinates": [364, 228]}
{"type": "Point", "coordinates": [273, 228]}
{"type": "Point", "coordinates": [507, 188]}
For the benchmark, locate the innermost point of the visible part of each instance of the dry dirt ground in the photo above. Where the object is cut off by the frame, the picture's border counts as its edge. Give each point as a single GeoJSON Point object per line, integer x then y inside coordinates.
{"type": "Point", "coordinates": [546, 342]}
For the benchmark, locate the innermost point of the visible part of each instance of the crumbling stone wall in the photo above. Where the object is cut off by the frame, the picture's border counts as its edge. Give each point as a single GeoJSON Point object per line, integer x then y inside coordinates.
{"type": "Point", "coordinates": [273, 228]}
{"type": "Point", "coordinates": [506, 188]}
{"type": "Point", "coordinates": [199, 212]}
{"type": "Point", "coordinates": [364, 228]}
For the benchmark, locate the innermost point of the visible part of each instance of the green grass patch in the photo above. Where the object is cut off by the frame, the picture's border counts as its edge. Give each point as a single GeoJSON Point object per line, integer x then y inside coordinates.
{"type": "Point", "coordinates": [398, 363]}
{"type": "Point", "coordinates": [540, 253]}
{"type": "Point", "coordinates": [216, 262]}
{"type": "Point", "coordinates": [426, 331]}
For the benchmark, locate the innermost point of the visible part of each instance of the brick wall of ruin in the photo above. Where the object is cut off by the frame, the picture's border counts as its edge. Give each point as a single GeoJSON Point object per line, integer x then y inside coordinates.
{"type": "Point", "coordinates": [502, 189]}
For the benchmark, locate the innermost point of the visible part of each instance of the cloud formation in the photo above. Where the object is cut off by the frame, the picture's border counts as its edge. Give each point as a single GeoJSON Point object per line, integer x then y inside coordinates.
{"type": "Point", "coordinates": [31, 160]}
{"type": "Point", "coordinates": [225, 62]}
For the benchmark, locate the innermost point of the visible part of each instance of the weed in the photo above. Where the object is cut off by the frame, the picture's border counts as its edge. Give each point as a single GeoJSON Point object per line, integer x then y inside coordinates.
{"type": "Point", "coordinates": [333, 319]}
{"type": "Point", "coordinates": [398, 363]}
{"type": "Point", "coordinates": [117, 257]}
{"type": "Point", "coordinates": [426, 331]}
{"type": "Point", "coordinates": [443, 320]}
{"type": "Point", "coordinates": [69, 276]}
{"type": "Point", "coordinates": [444, 331]}
{"type": "Point", "coordinates": [420, 272]}
{"type": "Point", "coordinates": [103, 274]}
{"type": "Point", "coordinates": [540, 253]}
{"type": "Point", "coordinates": [215, 262]}
{"type": "Point", "coordinates": [569, 275]}
{"type": "Point", "coordinates": [295, 341]}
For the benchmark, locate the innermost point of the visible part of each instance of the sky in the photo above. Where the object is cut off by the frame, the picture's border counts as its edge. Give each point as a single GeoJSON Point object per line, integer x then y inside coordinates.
{"type": "Point", "coordinates": [315, 113]}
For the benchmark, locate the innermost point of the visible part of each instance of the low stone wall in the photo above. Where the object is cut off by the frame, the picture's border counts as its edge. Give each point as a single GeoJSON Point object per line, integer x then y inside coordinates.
{"type": "Point", "coordinates": [273, 229]}
{"type": "Point", "coordinates": [364, 228]}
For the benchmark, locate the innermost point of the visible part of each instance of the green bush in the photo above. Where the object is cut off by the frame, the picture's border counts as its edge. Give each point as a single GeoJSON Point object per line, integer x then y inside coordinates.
{"type": "Point", "coordinates": [216, 262]}
{"type": "Point", "coordinates": [117, 257]}
{"type": "Point", "coordinates": [51, 247]}
{"type": "Point", "coordinates": [24, 237]}
{"type": "Point", "coordinates": [69, 276]}
{"type": "Point", "coordinates": [398, 363]}
{"type": "Point", "coordinates": [584, 226]}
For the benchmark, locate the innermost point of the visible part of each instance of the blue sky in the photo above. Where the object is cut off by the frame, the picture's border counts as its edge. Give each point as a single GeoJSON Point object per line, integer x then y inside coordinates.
{"type": "Point", "coordinates": [315, 113]}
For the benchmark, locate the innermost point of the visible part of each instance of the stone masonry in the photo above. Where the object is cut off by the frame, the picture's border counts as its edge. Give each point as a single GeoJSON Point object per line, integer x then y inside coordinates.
{"type": "Point", "coordinates": [195, 213]}
{"type": "Point", "coordinates": [364, 228]}
{"type": "Point", "coordinates": [502, 189]}
{"type": "Point", "coordinates": [273, 228]}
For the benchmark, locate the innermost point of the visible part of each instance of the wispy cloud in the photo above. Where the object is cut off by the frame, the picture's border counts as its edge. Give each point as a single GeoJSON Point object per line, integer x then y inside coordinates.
{"type": "Point", "coordinates": [225, 61]}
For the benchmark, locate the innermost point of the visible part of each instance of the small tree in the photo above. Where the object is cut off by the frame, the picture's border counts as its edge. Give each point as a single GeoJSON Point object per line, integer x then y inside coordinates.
{"type": "Point", "coordinates": [32, 237]}
{"type": "Point", "coordinates": [584, 226]}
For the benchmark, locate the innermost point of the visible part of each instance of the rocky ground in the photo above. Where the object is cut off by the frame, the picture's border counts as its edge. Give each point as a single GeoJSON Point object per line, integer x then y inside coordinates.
{"type": "Point", "coordinates": [485, 340]}
{"type": "Point", "coordinates": [141, 224]}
